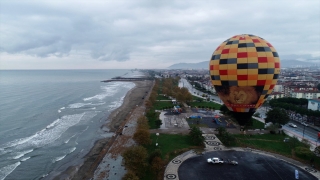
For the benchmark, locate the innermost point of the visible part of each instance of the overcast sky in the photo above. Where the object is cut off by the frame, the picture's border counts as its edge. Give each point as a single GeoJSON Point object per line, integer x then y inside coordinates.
{"type": "Point", "coordinates": [67, 34]}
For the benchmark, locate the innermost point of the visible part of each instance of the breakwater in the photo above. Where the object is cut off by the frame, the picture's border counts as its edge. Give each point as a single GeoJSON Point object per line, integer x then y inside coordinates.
{"type": "Point", "coordinates": [125, 79]}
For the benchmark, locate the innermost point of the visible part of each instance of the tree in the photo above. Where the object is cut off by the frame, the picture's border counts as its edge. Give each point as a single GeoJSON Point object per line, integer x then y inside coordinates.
{"type": "Point", "coordinates": [155, 153]}
{"type": "Point", "coordinates": [273, 128]}
{"type": "Point", "coordinates": [142, 137]}
{"type": "Point", "coordinates": [135, 159]}
{"type": "Point", "coordinates": [196, 136]}
{"type": "Point", "coordinates": [225, 136]}
{"type": "Point", "coordinates": [293, 142]}
{"type": "Point", "coordinates": [130, 176]}
{"type": "Point", "coordinates": [277, 115]}
{"type": "Point", "coordinates": [157, 166]}
{"type": "Point", "coordinates": [142, 123]}
{"type": "Point", "coordinates": [221, 130]}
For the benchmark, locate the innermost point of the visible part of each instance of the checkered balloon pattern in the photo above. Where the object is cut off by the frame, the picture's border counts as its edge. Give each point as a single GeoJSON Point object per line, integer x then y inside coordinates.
{"type": "Point", "coordinates": [244, 70]}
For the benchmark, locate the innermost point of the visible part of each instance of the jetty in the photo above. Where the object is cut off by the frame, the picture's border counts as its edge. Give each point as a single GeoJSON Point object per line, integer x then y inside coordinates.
{"type": "Point", "coordinates": [126, 79]}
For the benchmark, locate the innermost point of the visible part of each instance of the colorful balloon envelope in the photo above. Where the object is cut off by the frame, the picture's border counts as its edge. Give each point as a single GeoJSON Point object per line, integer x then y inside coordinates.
{"type": "Point", "coordinates": [244, 70]}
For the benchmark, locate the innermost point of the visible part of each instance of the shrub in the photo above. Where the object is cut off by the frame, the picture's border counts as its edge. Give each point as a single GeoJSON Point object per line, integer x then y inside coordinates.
{"type": "Point", "coordinates": [155, 153]}
{"type": "Point", "coordinates": [196, 136]}
{"type": "Point", "coordinates": [157, 166]}
{"type": "Point", "coordinates": [130, 176]}
{"type": "Point", "coordinates": [142, 137]}
{"type": "Point", "coordinates": [135, 159]}
{"type": "Point", "coordinates": [303, 152]}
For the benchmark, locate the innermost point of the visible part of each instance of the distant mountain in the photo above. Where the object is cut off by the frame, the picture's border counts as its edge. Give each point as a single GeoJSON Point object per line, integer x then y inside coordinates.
{"type": "Point", "coordinates": [297, 63]}
{"type": "Point", "coordinates": [199, 65]}
{"type": "Point", "coordinates": [205, 64]}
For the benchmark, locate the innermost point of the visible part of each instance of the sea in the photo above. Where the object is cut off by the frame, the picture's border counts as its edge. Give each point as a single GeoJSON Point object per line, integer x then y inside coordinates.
{"type": "Point", "coordinates": [50, 119]}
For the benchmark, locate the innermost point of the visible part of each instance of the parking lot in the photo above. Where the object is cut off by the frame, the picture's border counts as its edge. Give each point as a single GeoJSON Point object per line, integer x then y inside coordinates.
{"type": "Point", "coordinates": [251, 166]}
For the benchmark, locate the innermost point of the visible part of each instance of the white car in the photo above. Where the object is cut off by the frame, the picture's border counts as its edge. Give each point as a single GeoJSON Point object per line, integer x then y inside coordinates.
{"type": "Point", "coordinates": [305, 124]}
{"type": "Point", "coordinates": [292, 125]}
{"type": "Point", "coordinates": [215, 160]}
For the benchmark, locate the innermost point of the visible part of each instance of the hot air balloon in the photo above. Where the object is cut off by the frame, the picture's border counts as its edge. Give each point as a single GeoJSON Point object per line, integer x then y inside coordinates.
{"type": "Point", "coordinates": [244, 70]}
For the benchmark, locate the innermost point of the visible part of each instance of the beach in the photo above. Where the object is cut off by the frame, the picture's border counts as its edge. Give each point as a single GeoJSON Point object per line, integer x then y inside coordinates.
{"type": "Point", "coordinates": [133, 102]}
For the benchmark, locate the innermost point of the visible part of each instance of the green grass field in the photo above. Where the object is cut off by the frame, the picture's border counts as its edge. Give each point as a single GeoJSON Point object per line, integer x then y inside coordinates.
{"type": "Point", "coordinates": [257, 124]}
{"type": "Point", "coordinates": [266, 142]}
{"type": "Point", "coordinates": [205, 104]}
{"type": "Point", "coordinates": [159, 105]}
{"type": "Point", "coordinates": [161, 97]}
{"type": "Point", "coordinates": [169, 143]}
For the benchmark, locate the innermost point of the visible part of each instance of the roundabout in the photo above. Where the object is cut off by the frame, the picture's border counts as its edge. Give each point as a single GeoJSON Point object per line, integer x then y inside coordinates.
{"type": "Point", "coordinates": [251, 166]}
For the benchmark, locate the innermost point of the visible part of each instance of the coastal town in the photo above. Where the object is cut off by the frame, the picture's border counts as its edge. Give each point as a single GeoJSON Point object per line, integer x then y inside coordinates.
{"type": "Point", "coordinates": [167, 117]}
{"type": "Point", "coordinates": [293, 82]}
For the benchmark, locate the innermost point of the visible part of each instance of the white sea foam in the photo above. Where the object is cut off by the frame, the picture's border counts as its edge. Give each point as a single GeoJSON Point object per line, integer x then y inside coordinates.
{"type": "Point", "coordinates": [78, 105]}
{"type": "Point", "coordinates": [58, 158]}
{"type": "Point", "coordinates": [59, 111]}
{"type": "Point", "coordinates": [5, 171]}
{"type": "Point", "coordinates": [108, 90]}
{"type": "Point", "coordinates": [115, 104]}
{"type": "Point", "coordinates": [66, 141]}
{"type": "Point", "coordinates": [71, 150]}
{"type": "Point", "coordinates": [17, 142]}
{"type": "Point", "coordinates": [24, 159]}
{"type": "Point", "coordinates": [21, 154]}
{"type": "Point", "coordinates": [47, 136]}
{"type": "Point", "coordinates": [53, 124]}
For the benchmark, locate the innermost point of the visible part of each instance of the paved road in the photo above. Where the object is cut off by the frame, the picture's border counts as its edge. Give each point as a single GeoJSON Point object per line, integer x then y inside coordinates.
{"type": "Point", "coordinates": [251, 166]}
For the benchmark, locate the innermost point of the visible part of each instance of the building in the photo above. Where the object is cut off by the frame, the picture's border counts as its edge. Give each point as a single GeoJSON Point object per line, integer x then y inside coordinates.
{"type": "Point", "coordinates": [314, 104]}
{"type": "Point", "coordinates": [275, 95]}
{"type": "Point", "coordinates": [307, 94]}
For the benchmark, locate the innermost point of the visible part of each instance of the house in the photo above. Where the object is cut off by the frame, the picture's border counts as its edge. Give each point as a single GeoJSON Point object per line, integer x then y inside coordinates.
{"type": "Point", "coordinates": [275, 95]}
{"type": "Point", "coordinates": [307, 94]}
{"type": "Point", "coordinates": [314, 104]}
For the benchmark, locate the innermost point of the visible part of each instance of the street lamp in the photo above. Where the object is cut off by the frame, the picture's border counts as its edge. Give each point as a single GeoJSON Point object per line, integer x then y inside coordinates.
{"type": "Point", "coordinates": [303, 131]}
{"type": "Point", "coordinates": [157, 134]}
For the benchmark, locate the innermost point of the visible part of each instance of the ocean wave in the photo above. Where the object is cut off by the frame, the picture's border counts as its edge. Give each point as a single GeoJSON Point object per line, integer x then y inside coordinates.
{"type": "Point", "coordinates": [66, 141]}
{"type": "Point", "coordinates": [21, 154]}
{"type": "Point", "coordinates": [108, 90]}
{"type": "Point", "coordinates": [53, 124]}
{"type": "Point", "coordinates": [71, 150]}
{"type": "Point", "coordinates": [115, 104]}
{"type": "Point", "coordinates": [59, 111]}
{"type": "Point", "coordinates": [24, 159]}
{"type": "Point", "coordinates": [58, 158]}
{"type": "Point", "coordinates": [17, 142]}
{"type": "Point", "coordinates": [5, 171]}
{"type": "Point", "coordinates": [47, 136]}
{"type": "Point", "coordinates": [78, 105]}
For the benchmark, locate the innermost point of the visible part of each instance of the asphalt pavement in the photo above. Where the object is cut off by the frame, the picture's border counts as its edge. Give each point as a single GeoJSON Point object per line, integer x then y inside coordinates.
{"type": "Point", "coordinates": [251, 166]}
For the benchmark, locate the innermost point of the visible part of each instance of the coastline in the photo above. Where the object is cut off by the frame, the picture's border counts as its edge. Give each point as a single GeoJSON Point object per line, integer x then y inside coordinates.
{"type": "Point", "coordinates": [115, 121]}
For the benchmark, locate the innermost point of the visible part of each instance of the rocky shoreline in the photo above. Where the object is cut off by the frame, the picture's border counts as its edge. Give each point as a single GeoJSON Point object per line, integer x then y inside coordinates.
{"type": "Point", "coordinates": [135, 97]}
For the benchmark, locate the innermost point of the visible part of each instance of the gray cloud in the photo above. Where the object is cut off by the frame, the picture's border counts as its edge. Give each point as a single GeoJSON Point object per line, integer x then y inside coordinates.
{"type": "Point", "coordinates": [176, 31]}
